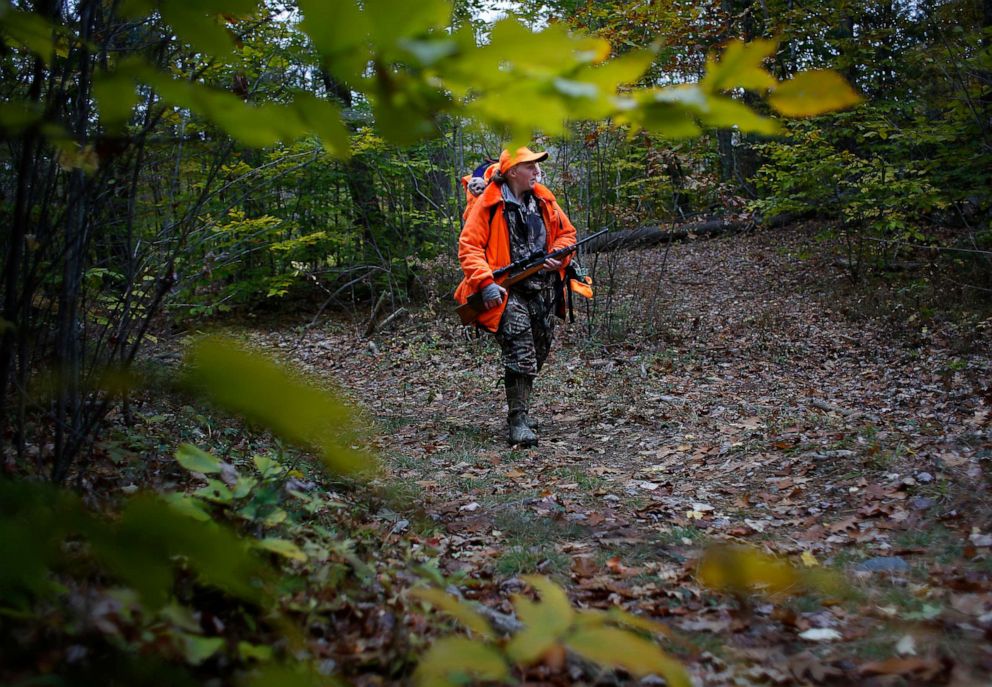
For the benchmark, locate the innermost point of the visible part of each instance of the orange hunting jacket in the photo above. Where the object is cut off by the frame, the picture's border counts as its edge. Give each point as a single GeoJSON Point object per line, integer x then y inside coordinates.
{"type": "Point", "coordinates": [484, 244]}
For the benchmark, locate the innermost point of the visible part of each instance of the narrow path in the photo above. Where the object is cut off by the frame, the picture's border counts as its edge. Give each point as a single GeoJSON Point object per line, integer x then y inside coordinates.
{"type": "Point", "coordinates": [757, 400]}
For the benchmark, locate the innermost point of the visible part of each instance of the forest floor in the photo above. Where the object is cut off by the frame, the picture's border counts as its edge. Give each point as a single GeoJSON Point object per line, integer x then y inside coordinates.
{"type": "Point", "coordinates": [756, 398]}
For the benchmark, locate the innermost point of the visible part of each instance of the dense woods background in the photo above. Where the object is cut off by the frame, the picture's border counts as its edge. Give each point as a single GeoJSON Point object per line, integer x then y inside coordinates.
{"type": "Point", "coordinates": [171, 164]}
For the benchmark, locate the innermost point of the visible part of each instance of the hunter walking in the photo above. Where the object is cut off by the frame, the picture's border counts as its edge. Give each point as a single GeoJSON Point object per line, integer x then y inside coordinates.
{"type": "Point", "coordinates": [514, 217]}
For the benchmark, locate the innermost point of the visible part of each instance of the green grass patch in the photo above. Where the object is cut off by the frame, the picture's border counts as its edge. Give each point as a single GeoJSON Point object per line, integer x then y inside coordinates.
{"type": "Point", "coordinates": [519, 560]}
{"type": "Point", "coordinates": [577, 475]}
{"type": "Point", "coordinates": [532, 543]}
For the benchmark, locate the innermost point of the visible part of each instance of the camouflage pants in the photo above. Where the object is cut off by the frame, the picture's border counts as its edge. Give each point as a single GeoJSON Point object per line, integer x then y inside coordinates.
{"type": "Point", "coordinates": [527, 329]}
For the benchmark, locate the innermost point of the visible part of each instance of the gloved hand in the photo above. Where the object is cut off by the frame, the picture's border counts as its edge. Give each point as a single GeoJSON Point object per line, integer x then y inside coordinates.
{"type": "Point", "coordinates": [476, 185]}
{"type": "Point", "coordinates": [492, 295]}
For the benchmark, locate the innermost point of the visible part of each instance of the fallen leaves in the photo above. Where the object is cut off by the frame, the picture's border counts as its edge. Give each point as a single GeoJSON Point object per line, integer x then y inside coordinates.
{"type": "Point", "coordinates": [648, 454]}
{"type": "Point", "coordinates": [924, 669]}
{"type": "Point", "coordinates": [820, 634]}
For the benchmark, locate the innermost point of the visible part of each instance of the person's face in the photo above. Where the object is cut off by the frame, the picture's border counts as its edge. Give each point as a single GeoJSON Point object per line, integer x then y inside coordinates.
{"type": "Point", "coordinates": [524, 175]}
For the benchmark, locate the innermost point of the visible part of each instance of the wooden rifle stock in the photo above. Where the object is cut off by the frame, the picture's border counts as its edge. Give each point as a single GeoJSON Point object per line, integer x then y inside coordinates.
{"type": "Point", "coordinates": [475, 306]}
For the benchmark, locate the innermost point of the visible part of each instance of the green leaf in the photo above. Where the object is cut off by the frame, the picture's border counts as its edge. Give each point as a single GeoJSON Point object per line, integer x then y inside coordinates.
{"type": "Point", "coordinates": [282, 547]}
{"type": "Point", "coordinates": [196, 27]}
{"type": "Point", "coordinates": [727, 112]}
{"type": "Point", "coordinates": [197, 460]}
{"type": "Point", "coordinates": [216, 492]}
{"type": "Point", "coordinates": [619, 71]}
{"type": "Point", "coordinates": [267, 466]}
{"type": "Point", "coordinates": [550, 51]}
{"type": "Point", "coordinates": [136, 9]}
{"type": "Point", "coordinates": [198, 649]}
{"type": "Point", "coordinates": [30, 30]}
{"type": "Point", "coordinates": [186, 505]}
{"type": "Point", "coordinates": [254, 386]}
{"type": "Point", "coordinates": [808, 94]}
{"type": "Point", "coordinates": [243, 487]}
{"type": "Point", "coordinates": [536, 110]}
{"type": "Point", "coordinates": [276, 517]}
{"type": "Point", "coordinates": [240, 8]}
{"type": "Point", "coordinates": [667, 119]}
{"type": "Point", "coordinates": [140, 549]}
{"type": "Point", "coordinates": [254, 126]}
{"type": "Point", "coordinates": [254, 652]}
{"type": "Point", "coordinates": [740, 67]}
{"type": "Point", "coordinates": [116, 97]}
{"type": "Point", "coordinates": [457, 609]}
{"type": "Point", "coordinates": [428, 52]}
{"type": "Point", "coordinates": [616, 648]}
{"type": "Point", "coordinates": [389, 21]}
{"type": "Point", "coordinates": [25, 510]}
{"type": "Point", "coordinates": [16, 116]}
{"type": "Point", "coordinates": [453, 660]}
{"type": "Point", "coordinates": [181, 617]}
{"type": "Point", "coordinates": [324, 119]}
{"type": "Point", "coordinates": [339, 31]}
{"type": "Point", "coordinates": [544, 622]}
{"type": "Point", "coordinates": [294, 675]}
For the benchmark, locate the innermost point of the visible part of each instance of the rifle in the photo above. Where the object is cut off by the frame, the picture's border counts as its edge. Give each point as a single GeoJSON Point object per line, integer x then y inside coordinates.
{"type": "Point", "coordinates": [518, 271]}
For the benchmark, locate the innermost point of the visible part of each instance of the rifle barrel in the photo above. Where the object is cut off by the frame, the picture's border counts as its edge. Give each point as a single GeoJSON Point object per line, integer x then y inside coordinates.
{"type": "Point", "coordinates": [472, 308]}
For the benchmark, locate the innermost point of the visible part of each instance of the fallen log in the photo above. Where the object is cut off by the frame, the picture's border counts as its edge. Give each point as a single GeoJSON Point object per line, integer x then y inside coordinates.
{"type": "Point", "coordinates": [644, 237]}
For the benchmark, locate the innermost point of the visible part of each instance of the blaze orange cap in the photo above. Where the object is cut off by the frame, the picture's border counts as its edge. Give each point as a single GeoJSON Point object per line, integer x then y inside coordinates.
{"type": "Point", "coordinates": [519, 155]}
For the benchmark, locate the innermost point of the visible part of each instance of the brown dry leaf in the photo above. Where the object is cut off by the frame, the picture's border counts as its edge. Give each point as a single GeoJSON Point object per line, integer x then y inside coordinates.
{"type": "Point", "coordinates": [845, 524]}
{"type": "Point", "coordinates": [805, 666]}
{"type": "Point", "coordinates": [594, 519]}
{"type": "Point", "coordinates": [901, 666]}
{"type": "Point", "coordinates": [585, 566]}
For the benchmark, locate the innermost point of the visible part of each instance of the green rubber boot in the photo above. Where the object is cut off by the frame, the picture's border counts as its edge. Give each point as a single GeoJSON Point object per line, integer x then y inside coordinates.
{"type": "Point", "coordinates": [518, 388]}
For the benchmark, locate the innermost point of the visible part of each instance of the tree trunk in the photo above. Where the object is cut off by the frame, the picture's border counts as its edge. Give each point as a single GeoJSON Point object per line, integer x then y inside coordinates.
{"type": "Point", "coordinates": [645, 237]}
{"type": "Point", "coordinates": [68, 352]}
{"type": "Point", "coordinates": [367, 213]}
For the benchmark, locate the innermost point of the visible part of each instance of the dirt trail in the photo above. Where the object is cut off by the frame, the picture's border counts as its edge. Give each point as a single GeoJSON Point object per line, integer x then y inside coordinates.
{"type": "Point", "coordinates": [766, 408]}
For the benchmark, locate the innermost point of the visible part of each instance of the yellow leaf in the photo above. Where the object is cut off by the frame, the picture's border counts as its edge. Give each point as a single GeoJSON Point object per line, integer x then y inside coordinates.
{"type": "Point", "coordinates": [619, 649]}
{"type": "Point", "coordinates": [591, 617]}
{"type": "Point", "coordinates": [551, 595]}
{"type": "Point", "coordinates": [740, 67]}
{"type": "Point", "coordinates": [544, 622]}
{"type": "Point", "coordinates": [740, 569]}
{"type": "Point", "coordinates": [457, 609]}
{"type": "Point", "coordinates": [809, 560]}
{"type": "Point", "coordinates": [83, 158]}
{"type": "Point", "coordinates": [813, 93]}
{"type": "Point", "coordinates": [622, 617]}
{"type": "Point", "coordinates": [282, 547]}
{"type": "Point", "coordinates": [451, 659]}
